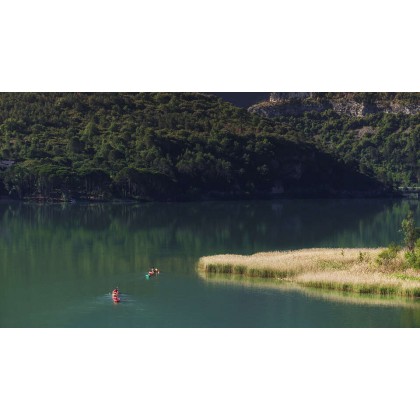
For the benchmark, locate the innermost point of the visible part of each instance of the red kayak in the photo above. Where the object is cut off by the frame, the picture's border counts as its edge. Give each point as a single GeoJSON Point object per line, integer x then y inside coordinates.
{"type": "Point", "coordinates": [114, 295]}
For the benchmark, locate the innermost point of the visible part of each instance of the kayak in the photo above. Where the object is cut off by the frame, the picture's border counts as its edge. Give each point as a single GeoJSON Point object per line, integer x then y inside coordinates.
{"type": "Point", "coordinates": [115, 298]}
{"type": "Point", "coordinates": [151, 274]}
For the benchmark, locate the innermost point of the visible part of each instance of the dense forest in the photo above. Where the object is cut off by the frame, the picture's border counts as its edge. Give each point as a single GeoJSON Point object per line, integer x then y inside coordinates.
{"type": "Point", "coordinates": [383, 145]}
{"type": "Point", "coordinates": [166, 146]}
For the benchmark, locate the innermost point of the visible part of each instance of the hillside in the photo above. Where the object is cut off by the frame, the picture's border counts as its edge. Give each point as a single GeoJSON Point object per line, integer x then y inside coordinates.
{"type": "Point", "coordinates": [158, 147]}
{"type": "Point", "coordinates": [355, 104]}
{"type": "Point", "coordinates": [379, 133]}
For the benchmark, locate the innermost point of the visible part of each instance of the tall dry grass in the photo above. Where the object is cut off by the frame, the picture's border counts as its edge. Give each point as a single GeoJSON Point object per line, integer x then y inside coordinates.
{"type": "Point", "coordinates": [350, 269]}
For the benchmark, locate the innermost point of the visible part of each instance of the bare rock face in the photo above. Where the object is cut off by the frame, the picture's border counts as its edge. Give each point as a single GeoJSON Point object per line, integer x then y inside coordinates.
{"type": "Point", "coordinates": [359, 109]}
{"type": "Point", "coordinates": [297, 103]}
{"type": "Point", "coordinates": [274, 109]}
{"type": "Point", "coordinates": [281, 96]}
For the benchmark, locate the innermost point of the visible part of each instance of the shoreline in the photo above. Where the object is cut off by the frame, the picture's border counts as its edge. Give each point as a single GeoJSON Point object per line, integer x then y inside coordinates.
{"type": "Point", "coordinates": [344, 195]}
{"type": "Point", "coordinates": [356, 270]}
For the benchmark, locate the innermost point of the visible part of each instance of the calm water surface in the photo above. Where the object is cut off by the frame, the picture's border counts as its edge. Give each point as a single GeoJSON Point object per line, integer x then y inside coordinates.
{"type": "Point", "coordinates": [58, 263]}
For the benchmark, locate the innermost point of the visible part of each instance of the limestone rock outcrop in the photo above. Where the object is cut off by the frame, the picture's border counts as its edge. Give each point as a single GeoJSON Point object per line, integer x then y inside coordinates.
{"type": "Point", "coordinates": [352, 104]}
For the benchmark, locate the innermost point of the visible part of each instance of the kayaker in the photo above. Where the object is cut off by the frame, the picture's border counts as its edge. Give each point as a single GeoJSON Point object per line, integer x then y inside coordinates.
{"type": "Point", "coordinates": [115, 292]}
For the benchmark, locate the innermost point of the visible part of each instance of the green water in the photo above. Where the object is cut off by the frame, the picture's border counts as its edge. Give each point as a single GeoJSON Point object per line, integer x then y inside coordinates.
{"type": "Point", "coordinates": [58, 263]}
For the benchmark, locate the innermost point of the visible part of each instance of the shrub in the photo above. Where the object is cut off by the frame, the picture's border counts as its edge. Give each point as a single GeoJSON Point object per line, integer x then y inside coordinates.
{"type": "Point", "coordinates": [363, 256]}
{"type": "Point", "coordinates": [388, 255]}
{"type": "Point", "coordinates": [413, 257]}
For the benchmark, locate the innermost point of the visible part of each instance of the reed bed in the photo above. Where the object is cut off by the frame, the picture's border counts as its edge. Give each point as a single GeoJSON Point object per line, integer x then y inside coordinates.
{"type": "Point", "coordinates": [353, 270]}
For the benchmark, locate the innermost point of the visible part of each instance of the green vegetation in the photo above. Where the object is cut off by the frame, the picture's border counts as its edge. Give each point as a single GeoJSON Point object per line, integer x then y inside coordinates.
{"type": "Point", "coordinates": [388, 256]}
{"type": "Point", "coordinates": [158, 146]}
{"type": "Point", "coordinates": [380, 145]}
{"type": "Point", "coordinates": [411, 240]}
{"type": "Point", "coordinates": [413, 257]}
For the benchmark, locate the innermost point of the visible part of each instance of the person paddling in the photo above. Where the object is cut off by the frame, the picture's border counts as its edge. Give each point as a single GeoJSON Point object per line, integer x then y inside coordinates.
{"type": "Point", "coordinates": [153, 271]}
{"type": "Point", "coordinates": [115, 294]}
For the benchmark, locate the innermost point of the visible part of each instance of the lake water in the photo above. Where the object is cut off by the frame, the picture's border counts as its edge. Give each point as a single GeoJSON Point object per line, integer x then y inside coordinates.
{"type": "Point", "coordinates": [59, 262]}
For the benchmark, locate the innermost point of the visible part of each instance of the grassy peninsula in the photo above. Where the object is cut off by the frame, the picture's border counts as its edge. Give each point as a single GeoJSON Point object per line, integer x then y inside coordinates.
{"type": "Point", "coordinates": [358, 270]}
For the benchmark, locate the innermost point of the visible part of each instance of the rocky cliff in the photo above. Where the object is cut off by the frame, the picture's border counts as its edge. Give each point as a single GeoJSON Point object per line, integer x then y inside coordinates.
{"type": "Point", "coordinates": [352, 104]}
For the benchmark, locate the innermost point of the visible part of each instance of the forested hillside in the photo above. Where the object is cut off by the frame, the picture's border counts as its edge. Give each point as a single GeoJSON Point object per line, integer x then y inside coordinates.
{"type": "Point", "coordinates": [158, 146]}
{"type": "Point", "coordinates": [384, 146]}
{"type": "Point", "coordinates": [379, 133]}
